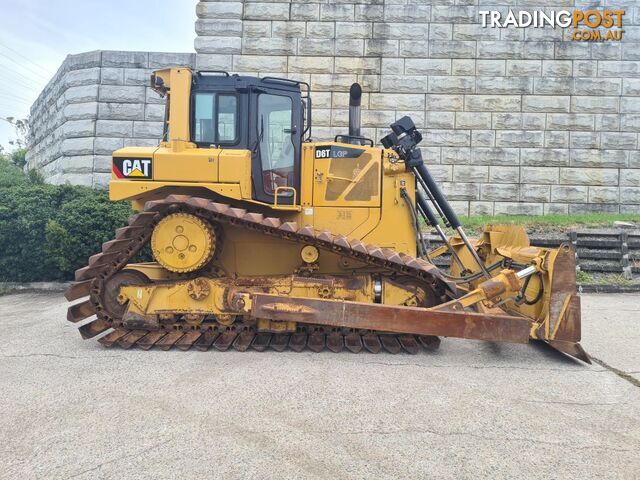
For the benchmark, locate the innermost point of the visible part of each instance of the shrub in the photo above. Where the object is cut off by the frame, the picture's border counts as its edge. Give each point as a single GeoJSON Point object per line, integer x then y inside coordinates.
{"type": "Point", "coordinates": [10, 174]}
{"type": "Point", "coordinates": [49, 231]}
{"type": "Point", "coordinates": [19, 157]}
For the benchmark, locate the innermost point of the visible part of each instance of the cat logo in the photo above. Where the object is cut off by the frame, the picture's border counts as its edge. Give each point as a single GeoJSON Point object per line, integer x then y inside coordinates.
{"type": "Point", "coordinates": [133, 168]}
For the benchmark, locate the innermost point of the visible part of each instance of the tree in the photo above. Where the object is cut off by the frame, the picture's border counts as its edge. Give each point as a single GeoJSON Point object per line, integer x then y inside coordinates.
{"type": "Point", "coordinates": [18, 154]}
{"type": "Point", "coordinates": [19, 157]}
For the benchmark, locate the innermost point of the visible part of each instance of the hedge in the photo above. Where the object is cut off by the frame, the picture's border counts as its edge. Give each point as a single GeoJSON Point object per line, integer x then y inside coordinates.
{"type": "Point", "coordinates": [49, 231]}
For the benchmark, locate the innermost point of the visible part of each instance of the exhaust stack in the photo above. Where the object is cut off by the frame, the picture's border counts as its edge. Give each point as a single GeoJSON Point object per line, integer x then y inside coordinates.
{"type": "Point", "coordinates": [355, 96]}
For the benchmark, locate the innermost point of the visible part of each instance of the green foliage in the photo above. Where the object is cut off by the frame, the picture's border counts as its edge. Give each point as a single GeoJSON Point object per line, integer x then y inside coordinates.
{"type": "Point", "coordinates": [10, 175]}
{"type": "Point", "coordinates": [583, 277]}
{"type": "Point", "coordinates": [19, 157]}
{"type": "Point", "coordinates": [35, 177]}
{"type": "Point", "coordinates": [58, 244]}
{"type": "Point", "coordinates": [546, 223]}
{"type": "Point", "coordinates": [586, 220]}
{"type": "Point", "coordinates": [616, 279]}
{"type": "Point", "coordinates": [49, 231]}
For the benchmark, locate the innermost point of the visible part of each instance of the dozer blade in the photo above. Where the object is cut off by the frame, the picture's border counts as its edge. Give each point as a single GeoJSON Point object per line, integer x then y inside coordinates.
{"type": "Point", "coordinates": [573, 349]}
{"type": "Point", "coordinates": [564, 307]}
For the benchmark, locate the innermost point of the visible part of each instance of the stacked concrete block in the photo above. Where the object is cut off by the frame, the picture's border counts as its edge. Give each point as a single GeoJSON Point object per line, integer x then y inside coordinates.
{"type": "Point", "coordinates": [96, 103]}
{"type": "Point", "coordinates": [514, 120]}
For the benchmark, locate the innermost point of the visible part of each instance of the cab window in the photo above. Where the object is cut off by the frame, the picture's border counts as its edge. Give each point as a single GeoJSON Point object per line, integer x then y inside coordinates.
{"type": "Point", "coordinates": [215, 119]}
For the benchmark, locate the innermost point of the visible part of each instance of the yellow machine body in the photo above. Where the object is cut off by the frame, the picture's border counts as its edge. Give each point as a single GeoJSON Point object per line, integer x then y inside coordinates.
{"type": "Point", "coordinates": [215, 259]}
{"type": "Point", "coordinates": [328, 195]}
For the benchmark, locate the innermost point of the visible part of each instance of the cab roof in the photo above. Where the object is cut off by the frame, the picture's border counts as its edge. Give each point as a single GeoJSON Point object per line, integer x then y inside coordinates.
{"type": "Point", "coordinates": [206, 80]}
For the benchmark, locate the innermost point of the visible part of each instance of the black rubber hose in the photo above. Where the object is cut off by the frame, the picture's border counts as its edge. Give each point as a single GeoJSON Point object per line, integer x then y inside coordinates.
{"type": "Point", "coordinates": [438, 196]}
{"type": "Point", "coordinates": [416, 223]}
{"type": "Point", "coordinates": [523, 292]}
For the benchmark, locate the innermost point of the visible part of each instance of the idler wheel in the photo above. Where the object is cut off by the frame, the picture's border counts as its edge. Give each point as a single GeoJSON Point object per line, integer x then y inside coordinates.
{"type": "Point", "coordinates": [111, 302]}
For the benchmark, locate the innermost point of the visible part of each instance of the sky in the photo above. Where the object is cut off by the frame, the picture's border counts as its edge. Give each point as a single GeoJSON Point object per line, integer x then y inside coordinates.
{"type": "Point", "coordinates": [37, 35]}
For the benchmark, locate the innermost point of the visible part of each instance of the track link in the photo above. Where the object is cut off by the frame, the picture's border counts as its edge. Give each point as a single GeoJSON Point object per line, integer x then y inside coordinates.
{"type": "Point", "coordinates": [117, 253]}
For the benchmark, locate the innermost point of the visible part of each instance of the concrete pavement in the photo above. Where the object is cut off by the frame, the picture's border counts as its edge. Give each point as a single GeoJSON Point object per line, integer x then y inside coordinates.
{"type": "Point", "coordinates": [72, 409]}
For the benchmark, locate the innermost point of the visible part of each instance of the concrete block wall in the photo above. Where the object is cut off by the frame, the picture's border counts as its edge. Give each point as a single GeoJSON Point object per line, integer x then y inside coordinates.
{"type": "Point", "coordinates": [96, 103]}
{"type": "Point", "coordinates": [514, 120]}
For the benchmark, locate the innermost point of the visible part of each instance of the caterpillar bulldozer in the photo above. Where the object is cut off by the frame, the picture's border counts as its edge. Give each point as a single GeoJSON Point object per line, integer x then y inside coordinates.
{"type": "Point", "coordinates": [262, 238]}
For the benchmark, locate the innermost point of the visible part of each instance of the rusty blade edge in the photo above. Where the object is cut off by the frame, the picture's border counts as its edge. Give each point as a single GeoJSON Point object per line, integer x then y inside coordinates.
{"type": "Point", "coordinates": [572, 349]}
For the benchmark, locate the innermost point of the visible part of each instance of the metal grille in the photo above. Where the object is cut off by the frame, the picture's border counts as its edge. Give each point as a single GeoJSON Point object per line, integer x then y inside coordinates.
{"type": "Point", "coordinates": [343, 172]}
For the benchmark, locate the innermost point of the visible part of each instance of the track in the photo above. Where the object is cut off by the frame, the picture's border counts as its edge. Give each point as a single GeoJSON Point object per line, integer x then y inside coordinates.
{"type": "Point", "coordinates": [130, 239]}
{"type": "Point", "coordinates": [243, 338]}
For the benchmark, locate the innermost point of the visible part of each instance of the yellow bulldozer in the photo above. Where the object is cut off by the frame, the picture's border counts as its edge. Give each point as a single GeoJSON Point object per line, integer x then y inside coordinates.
{"type": "Point", "coordinates": [262, 238]}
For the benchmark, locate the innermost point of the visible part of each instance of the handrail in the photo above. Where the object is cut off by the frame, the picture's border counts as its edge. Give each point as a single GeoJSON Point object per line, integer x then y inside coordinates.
{"type": "Point", "coordinates": [284, 188]}
{"type": "Point", "coordinates": [223, 72]}
{"type": "Point", "coordinates": [354, 137]}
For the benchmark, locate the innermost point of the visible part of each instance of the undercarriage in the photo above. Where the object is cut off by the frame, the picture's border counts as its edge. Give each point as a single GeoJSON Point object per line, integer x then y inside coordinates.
{"type": "Point", "coordinates": [327, 291]}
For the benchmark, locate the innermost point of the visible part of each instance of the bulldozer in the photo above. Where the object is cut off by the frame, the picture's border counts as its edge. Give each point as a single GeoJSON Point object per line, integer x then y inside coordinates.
{"type": "Point", "coordinates": [262, 237]}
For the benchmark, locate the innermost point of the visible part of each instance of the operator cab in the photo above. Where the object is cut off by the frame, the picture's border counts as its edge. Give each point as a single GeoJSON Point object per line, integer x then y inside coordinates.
{"type": "Point", "coordinates": [263, 115]}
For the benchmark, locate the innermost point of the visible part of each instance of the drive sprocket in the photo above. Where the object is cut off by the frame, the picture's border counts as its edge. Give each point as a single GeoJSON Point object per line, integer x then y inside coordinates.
{"type": "Point", "coordinates": [182, 242]}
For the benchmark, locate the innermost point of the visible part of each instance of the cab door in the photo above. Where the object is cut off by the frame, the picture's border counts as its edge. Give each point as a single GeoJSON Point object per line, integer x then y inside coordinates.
{"type": "Point", "coordinates": [278, 137]}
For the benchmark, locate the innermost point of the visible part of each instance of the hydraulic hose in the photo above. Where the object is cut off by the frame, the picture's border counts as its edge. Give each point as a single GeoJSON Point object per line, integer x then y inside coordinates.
{"type": "Point", "coordinates": [416, 222]}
